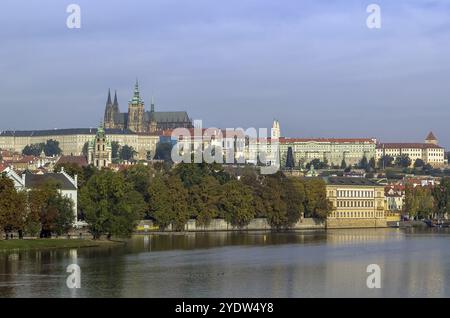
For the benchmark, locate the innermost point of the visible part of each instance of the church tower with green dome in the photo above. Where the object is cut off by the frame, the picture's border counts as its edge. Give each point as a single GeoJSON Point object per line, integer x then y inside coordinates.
{"type": "Point", "coordinates": [99, 150]}
{"type": "Point", "coordinates": [136, 111]}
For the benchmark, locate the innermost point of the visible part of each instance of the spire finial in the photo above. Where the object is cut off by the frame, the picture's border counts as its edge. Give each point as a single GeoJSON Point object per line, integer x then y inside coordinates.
{"type": "Point", "coordinates": [108, 102]}
{"type": "Point", "coordinates": [152, 106]}
{"type": "Point", "coordinates": [116, 103]}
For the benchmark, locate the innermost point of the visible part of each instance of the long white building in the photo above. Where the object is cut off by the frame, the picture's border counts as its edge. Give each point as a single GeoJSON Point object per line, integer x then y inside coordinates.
{"type": "Point", "coordinates": [429, 151]}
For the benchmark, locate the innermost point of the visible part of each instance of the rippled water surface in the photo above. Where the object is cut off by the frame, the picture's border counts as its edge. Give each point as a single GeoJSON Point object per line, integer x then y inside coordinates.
{"type": "Point", "coordinates": [257, 264]}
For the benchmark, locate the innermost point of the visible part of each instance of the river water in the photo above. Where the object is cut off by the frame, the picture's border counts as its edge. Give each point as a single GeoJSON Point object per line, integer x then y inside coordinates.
{"type": "Point", "coordinates": [413, 263]}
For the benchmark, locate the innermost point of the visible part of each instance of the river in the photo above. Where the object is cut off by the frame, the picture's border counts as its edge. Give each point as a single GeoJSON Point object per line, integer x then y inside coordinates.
{"type": "Point", "coordinates": [333, 263]}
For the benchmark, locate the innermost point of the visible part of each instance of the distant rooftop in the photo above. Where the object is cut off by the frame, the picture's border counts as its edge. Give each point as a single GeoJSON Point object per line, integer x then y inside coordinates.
{"type": "Point", "coordinates": [407, 145]}
{"type": "Point", "coordinates": [351, 181]}
{"type": "Point", "coordinates": [65, 131]}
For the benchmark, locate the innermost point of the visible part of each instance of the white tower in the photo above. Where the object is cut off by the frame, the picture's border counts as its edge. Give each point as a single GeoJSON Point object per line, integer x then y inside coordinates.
{"type": "Point", "coordinates": [275, 131]}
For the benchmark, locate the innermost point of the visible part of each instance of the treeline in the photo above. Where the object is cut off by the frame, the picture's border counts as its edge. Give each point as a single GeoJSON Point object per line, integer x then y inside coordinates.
{"type": "Point", "coordinates": [428, 202]}
{"type": "Point", "coordinates": [50, 148]}
{"type": "Point", "coordinates": [39, 212]}
{"type": "Point", "coordinates": [112, 203]}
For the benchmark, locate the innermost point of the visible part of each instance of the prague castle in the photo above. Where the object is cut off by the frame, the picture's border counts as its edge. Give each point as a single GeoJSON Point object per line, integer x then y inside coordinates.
{"type": "Point", "coordinates": [140, 121]}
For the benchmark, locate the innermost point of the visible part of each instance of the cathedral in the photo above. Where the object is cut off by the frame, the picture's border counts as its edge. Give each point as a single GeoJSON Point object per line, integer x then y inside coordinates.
{"type": "Point", "coordinates": [140, 121]}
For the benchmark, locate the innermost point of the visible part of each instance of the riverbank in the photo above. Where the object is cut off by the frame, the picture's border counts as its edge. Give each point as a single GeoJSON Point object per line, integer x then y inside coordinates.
{"type": "Point", "coordinates": [45, 244]}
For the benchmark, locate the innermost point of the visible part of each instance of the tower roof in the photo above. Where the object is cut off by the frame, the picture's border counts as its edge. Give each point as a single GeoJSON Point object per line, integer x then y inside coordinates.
{"type": "Point", "coordinates": [136, 98]}
{"type": "Point", "coordinates": [115, 99]}
{"type": "Point", "coordinates": [431, 136]}
{"type": "Point", "coordinates": [108, 102]}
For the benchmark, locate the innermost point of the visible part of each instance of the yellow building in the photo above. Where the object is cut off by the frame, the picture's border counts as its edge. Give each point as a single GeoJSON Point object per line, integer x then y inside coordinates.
{"type": "Point", "coordinates": [71, 141]}
{"type": "Point", "coordinates": [357, 202]}
{"type": "Point", "coordinates": [429, 151]}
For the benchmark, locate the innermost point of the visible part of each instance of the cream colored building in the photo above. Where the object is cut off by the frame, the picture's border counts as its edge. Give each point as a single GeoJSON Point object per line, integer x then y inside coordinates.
{"type": "Point", "coordinates": [357, 202]}
{"type": "Point", "coordinates": [429, 151]}
{"type": "Point", "coordinates": [304, 150]}
{"type": "Point", "coordinates": [71, 141]}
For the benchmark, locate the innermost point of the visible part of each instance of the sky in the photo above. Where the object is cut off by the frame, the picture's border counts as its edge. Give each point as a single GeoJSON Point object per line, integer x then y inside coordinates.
{"type": "Point", "coordinates": [312, 64]}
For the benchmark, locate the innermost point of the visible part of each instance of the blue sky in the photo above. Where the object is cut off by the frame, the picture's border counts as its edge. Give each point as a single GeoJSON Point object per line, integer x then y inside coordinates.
{"type": "Point", "coordinates": [312, 64]}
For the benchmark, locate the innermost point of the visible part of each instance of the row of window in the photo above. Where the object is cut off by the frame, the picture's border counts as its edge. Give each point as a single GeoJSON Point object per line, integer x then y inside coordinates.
{"type": "Point", "coordinates": [355, 193]}
{"type": "Point", "coordinates": [355, 204]}
{"type": "Point", "coordinates": [358, 214]}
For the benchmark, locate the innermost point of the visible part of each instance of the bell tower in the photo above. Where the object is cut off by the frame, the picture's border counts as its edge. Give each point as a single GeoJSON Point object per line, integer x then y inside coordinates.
{"type": "Point", "coordinates": [136, 111]}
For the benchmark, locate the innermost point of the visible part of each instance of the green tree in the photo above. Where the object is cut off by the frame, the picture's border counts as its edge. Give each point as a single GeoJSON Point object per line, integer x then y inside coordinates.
{"type": "Point", "coordinates": [85, 149]}
{"type": "Point", "coordinates": [316, 203]}
{"type": "Point", "coordinates": [343, 164]}
{"type": "Point", "coordinates": [402, 161]}
{"type": "Point", "coordinates": [115, 149]}
{"type": "Point", "coordinates": [418, 163]}
{"type": "Point", "coordinates": [318, 164]}
{"type": "Point", "coordinates": [204, 200]}
{"type": "Point", "coordinates": [441, 195]}
{"type": "Point", "coordinates": [290, 163]}
{"type": "Point", "coordinates": [236, 204]}
{"type": "Point", "coordinates": [127, 153]}
{"type": "Point", "coordinates": [159, 202]}
{"type": "Point", "coordinates": [33, 150]}
{"type": "Point", "coordinates": [164, 151]}
{"type": "Point", "coordinates": [363, 163]}
{"type": "Point", "coordinates": [51, 148]}
{"type": "Point", "coordinates": [385, 161]}
{"type": "Point", "coordinates": [111, 205]}
{"type": "Point", "coordinates": [12, 207]}
{"type": "Point", "coordinates": [419, 202]}
{"type": "Point", "coordinates": [168, 202]}
{"type": "Point", "coordinates": [372, 164]}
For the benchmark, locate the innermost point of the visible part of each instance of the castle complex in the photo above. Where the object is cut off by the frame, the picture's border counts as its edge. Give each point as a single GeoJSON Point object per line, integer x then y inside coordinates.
{"type": "Point", "coordinates": [140, 121]}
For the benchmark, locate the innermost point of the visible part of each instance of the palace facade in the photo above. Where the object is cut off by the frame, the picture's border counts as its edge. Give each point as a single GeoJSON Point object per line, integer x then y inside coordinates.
{"type": "Point", "coordinates": [429, 151]}
{"type": "Point", "coordinates": [72, 141]}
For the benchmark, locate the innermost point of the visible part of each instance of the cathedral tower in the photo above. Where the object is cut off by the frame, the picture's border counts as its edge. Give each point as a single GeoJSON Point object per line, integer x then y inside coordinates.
{"type": "Point", "coordinates": [136, 112]}
{"type": "Point", "coordinates": [109, 112]}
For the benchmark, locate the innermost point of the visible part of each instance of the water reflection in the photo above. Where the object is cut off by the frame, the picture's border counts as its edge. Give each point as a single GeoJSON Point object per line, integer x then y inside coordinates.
{"type": "Point", "coordinates": [414, 263]}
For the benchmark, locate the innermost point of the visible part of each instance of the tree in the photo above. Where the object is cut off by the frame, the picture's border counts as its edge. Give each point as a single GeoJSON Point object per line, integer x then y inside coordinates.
{"type": "Point", "coordinates": [419, 202]}
{"type": "Point", "coordinates": [385, 161]}
{"type": "Point", "coordinates": [441, 195]}
{"type": "Point", "coordinates": [343, 164]}
{"type": "Point", "coordinates": [85, 150]}
{"type": "Point", "coordinates": [418, 163]}
{"type": "Point", "coordinates": [363, 163]}
{"type": "Point", "coordinates": [110, 204]}
{"type": "Point", "coordinates": [164, 151]}
{"type": "Point", "coordinates": [290, 163]}
{"type": "Point", "coordinates": [317, 164]}
{"type": "Point", "coordinates": [127, 153]}
{"type": "Point", "coordinates": [236, 204]}
{"type": "Point", "coordinates": [33, 150]}
{"type": "Point", "coordinates": [372, 164]}
{"type": "Point", "coordinates": [12, 207]}
{"type": "Point", "coordinates": [115, 149]}
{"type": "Point", "coordinates": [48, 207]}
{"type": "Point", "coordinates": [204, 199]}
{"type": "Point", "coordinates": [159, 202]}
{"type": "Point", "coordinates": [168, 202]}
{"type": "Point", "coordinates": [402, 161]}
{"type": "Point", "coordinates": [65, 218]}
{"type": "Point", "coordinates": [316, 203]}
{"type": "Point", "coordinates": [51, 148]}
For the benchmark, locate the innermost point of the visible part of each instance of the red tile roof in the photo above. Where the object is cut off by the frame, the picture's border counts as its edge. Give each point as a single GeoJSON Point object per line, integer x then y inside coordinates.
{"type": "Point", "coordinates": [431, 137]}
{"type": "Point", "coordinates": [407, 145]}
{"type": "Point", "coordinates": [78, 160]}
